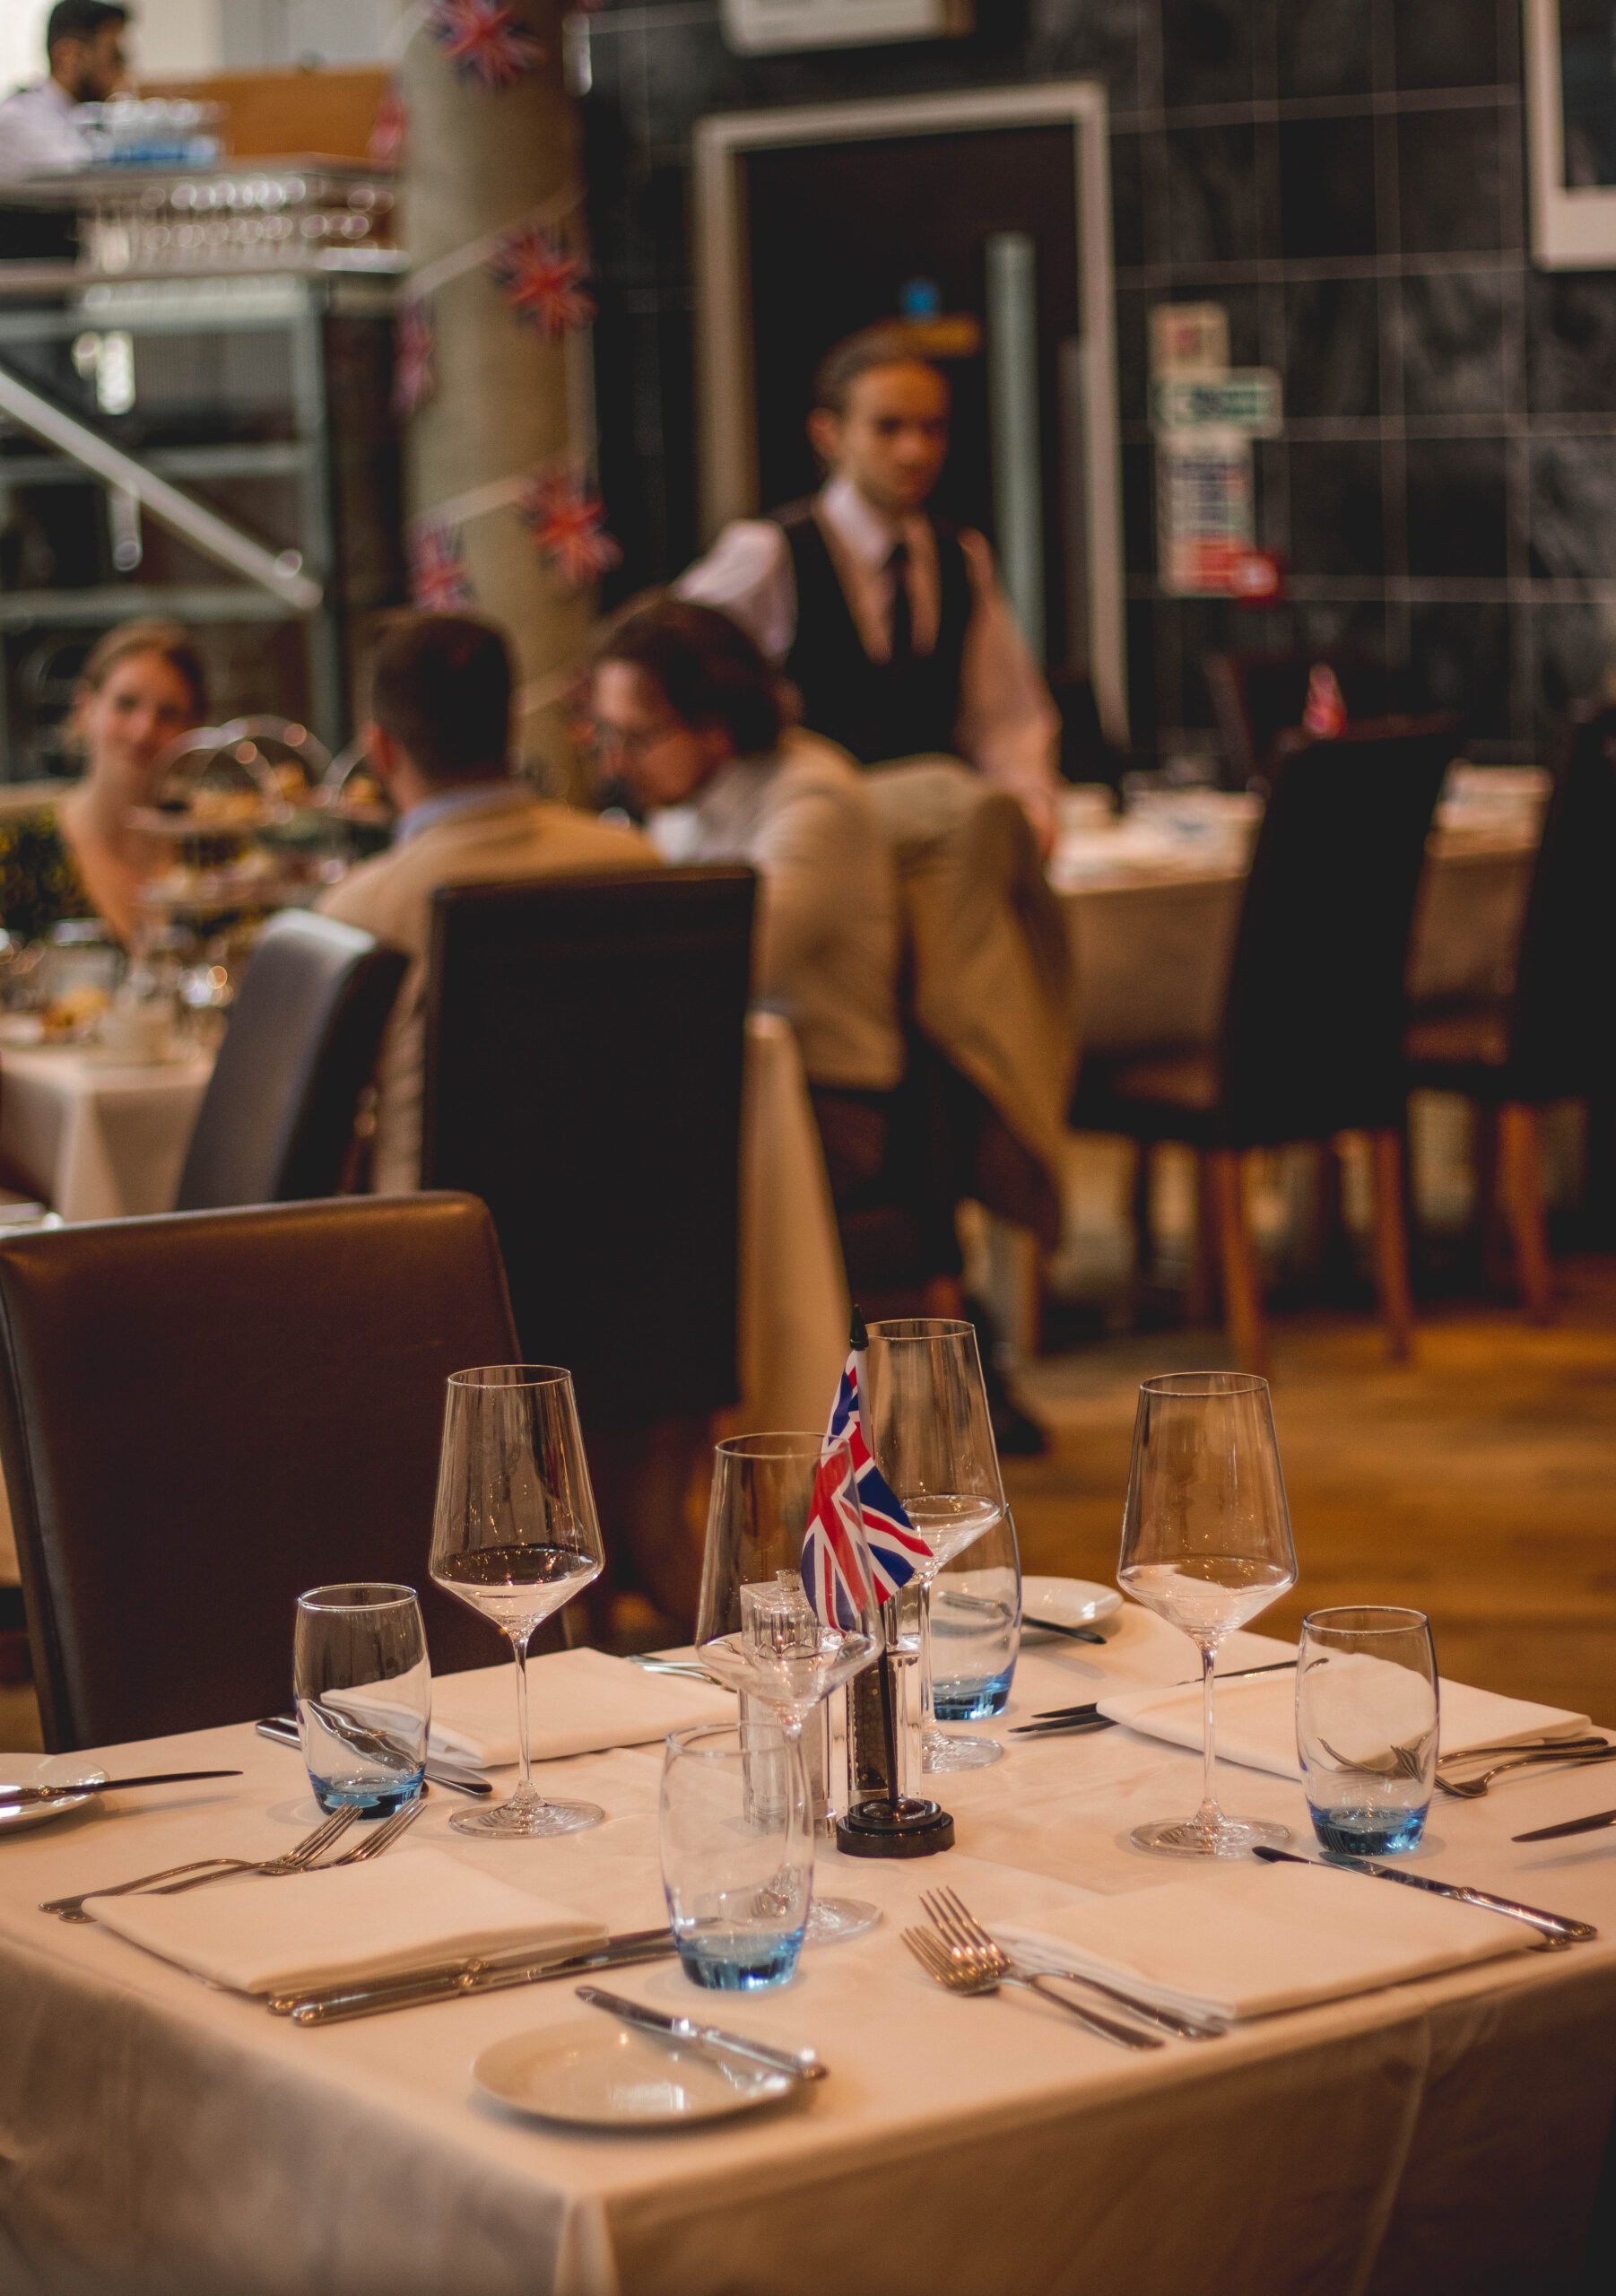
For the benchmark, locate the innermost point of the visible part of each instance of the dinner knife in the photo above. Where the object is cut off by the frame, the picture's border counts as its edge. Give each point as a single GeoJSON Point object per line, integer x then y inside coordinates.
{"type": "Point", "coordinates": [1054, 1626]}
{"type": "Point", "coordinates": [28, 1796]}
{"type": "Point", "coordinates": [282, 1730]}
{"type": "Point", "coordinates": [1571, 1825]}
{"type": "Point", "coordinates": [802, 2063]}
{"type": "Point", "coordinates": [412, 1988]}
{"type": "Point", "coordinates": [1551, 1924]}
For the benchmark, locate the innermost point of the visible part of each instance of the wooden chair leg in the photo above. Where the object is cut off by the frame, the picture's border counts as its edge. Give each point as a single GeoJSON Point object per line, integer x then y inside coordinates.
{"type": "Point", "coordinates": [1484, 1134]}
{"type": "Point", "coordinates": [1521, 1186]}
{"type": "Point", "coordinates": [1242, 1293]}
{"type": "Point", "coordinates": [1201, 1299]}
{"type": "Point", "coordinates": [1144, 1235]}
{"type": "Point", "coordinates": [1391, 1245]}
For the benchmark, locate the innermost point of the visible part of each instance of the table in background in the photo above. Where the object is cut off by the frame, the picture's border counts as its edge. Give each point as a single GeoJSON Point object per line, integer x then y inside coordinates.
{"type": "Point", "coordinates": [1444, 2135]}
{"type": "Point", "coordinates": [98, 1141]}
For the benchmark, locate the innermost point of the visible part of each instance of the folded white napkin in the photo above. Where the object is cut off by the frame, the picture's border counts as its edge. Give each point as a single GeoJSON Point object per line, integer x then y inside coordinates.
{"type": "Point", "coordinates": [408, 1910]}
{"type": "Point", "coordinates": [1247, 1941]}
{"type": "Point", "coordinates": [1257, 1719]}
{"type": "Point", "coordinates": [579, 1702]}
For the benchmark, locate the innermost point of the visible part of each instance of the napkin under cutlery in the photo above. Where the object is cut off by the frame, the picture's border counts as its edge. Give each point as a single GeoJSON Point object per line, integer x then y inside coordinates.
{"type": "Point", "coordinates": [1257, 1719]}
{"type": "Point", "coordinates": [578, 1703]}
{"type": "Point", "coordinates": [414, 1910]}
{"type": "Point", "coordinates": [1253, 1940]}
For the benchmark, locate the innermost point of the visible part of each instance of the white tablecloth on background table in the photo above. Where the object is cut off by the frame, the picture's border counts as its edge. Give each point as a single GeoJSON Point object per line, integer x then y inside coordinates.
{"type": "Point", "coordinates": [1444, 2135]}
{"type": "Point", "coordinates": [99, 1141]}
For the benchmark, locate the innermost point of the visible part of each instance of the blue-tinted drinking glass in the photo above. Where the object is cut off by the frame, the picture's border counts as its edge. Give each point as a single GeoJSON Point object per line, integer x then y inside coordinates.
{"type": "Point", "coordinates": [1366, 1713]}
{"type": "Point", "coordinates": [737, 1853]}
{"type": "Point", "coordinates": [976, 1627]}
{"type": "Point", "coordinates": [364, 1695]}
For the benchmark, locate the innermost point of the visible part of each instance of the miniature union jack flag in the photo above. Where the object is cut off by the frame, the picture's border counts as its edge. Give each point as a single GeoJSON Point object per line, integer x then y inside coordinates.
{"type": "Point", "coordinates": [838, 1577]}
{"type": "Point", "coordinates": [895, 1548]}
{"type": "Point", "coordinates": [438, 582]}
{"type": "Point", "coordinates": [539, 279]}
{"type": "Point", "coordinates": [485, 38]}
{"type": "Point", "coordinates": [413, 379]}
{"type": "Point", "coordinates": [569, 525]}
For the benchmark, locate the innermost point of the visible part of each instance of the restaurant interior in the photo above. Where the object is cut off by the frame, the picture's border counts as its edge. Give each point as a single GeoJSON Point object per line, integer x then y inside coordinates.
{"type": "Point", "coordinates": [807, 1062]}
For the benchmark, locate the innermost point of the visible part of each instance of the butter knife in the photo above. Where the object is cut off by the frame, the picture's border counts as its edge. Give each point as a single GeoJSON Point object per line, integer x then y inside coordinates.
{"type": "Point", "coordinates": [1571, 1825]}
{"type": "Point", "coordinates": [329, 2005]}
{"type": "Point", "coordinates": [1558, 1926]}
{"type": "Point", "coordinates": [802, 2063]}
{"type": "Point", "coordinates": [28, 1796]}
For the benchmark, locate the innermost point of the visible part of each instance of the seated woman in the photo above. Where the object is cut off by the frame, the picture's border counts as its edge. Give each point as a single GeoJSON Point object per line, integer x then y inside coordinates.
{"type": "Point", "coordinates": [142, 686]}
{"type": "Point", "coordinates": [689, 714]}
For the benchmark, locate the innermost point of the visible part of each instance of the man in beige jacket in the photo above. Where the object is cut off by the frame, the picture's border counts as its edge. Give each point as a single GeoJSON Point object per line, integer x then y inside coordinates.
{"type": "Point", "coordinates": [438, 741]}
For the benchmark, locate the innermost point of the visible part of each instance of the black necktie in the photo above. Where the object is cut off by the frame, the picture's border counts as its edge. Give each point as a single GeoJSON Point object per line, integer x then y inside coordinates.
{"type": "Point", "coordinates": [903, 624]}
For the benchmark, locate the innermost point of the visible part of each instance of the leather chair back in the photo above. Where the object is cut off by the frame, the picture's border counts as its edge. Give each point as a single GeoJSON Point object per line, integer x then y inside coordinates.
{"type": "Point", "coordinates": [202, 1415]}
{"type": "Point", "coordinates": [1312, 1023]}
{"type": "Point", "coordinates": [277, 1118]}
{"type": "Point", "coordinates": [1562, 1023]}
{"type": "Point", "coordinates": [585, 1040]}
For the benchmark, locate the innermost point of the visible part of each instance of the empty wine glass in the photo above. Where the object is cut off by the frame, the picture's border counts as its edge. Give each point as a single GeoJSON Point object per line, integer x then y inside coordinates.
{"type": "Point", "coordinates": [755, 1627]}
{"type": "Point", "coordinates": [927, 1420]}
{"type": "Point", "coordinates": [515, 1535]}
{"type": "Point", "coordinates": [1206, 1544]}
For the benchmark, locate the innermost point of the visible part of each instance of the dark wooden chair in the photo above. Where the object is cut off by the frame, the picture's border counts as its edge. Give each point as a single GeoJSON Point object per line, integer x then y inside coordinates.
{"type": "Point", "coordinates": [1554, 1037]}
{"type": "Point", "coordinates": [202, 1415]}
{"type": "Point", "coordinates": [276, 1123]}
{"type": "Point", "coordinates": [1310, 1043]}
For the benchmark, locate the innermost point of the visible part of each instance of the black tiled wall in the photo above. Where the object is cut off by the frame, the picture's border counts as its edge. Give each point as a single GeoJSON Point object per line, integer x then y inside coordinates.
{"type": "Point", "coordinates": [1348, 177]}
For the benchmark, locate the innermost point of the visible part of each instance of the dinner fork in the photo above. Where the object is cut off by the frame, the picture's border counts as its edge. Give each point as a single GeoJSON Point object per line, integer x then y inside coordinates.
{"type": "Point", "coordinates": [960, 1976]}
{"type": "Point", "coordinates": [968, 1941]}
{"type": "Point", "coordinates": [1471, 1789]}
{"type": "Point", "coordinates": [384, 1837]}
{"type": "Point", "coordinates": [293, 1861]}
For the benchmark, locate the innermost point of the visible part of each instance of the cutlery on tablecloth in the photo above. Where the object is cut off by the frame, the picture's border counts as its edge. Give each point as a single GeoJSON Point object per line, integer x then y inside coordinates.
{"type": "Point", "coordinates": [382, 1838]}
{"type": "Point", "coordinates": [282, 1730]}
{"type": "Point", "coordinates": [1072, 1633]}
{"type": "Point", "coordinates": [300, 1855]}
{"type": "Point", "coordinates": [1568, 1826]}
{"type": "Point", "coordinates": [1557, 1926]}
{"type": "Point", "coordinates": [1472, 1789]}
{"type": "Point", "coordinates": [802, 2063]}
{"type": "Point", "coordinates": [1075, 1726]}
{"type": "Point", "coordinates": [961, 1977]}
{"type": "Point", "coordinates": [30, 1795]}
{"type": "Point", "coordinates": [1070, 1714]}
{"type": "Point", "coordinates": [414, 1988]}
{"type": "Point", "coordinates": [974, 1947]}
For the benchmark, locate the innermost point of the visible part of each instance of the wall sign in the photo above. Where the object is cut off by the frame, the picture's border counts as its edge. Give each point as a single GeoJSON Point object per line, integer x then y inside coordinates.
{"type": "Point", "coordinates": [1206, 416]}
{"type": "Point", "coordinates": [1571, 132]}
{"type": "Point", "coordinates": [752, 25]}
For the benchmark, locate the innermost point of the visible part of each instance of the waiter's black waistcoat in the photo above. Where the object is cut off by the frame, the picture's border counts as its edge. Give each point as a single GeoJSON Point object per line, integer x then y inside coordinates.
{"type": "Point", "coordinates": [876, 709]}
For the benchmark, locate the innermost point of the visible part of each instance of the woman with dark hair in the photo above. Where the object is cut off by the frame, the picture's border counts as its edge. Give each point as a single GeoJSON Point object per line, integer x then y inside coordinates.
{"type": "Point", "coordinates": [689, 713]}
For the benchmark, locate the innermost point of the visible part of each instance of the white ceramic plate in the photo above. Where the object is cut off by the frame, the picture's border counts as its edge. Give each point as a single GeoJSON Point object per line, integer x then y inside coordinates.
{"type": "Point", "coordinates": [51, 1769]}
{"type": "Point", "coordinates": [1067, 1602]}
{"type": "Point", "coordinates": [600, 2074]}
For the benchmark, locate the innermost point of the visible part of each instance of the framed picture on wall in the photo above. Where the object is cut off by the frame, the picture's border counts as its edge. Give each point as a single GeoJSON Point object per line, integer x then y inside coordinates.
{"type": "Point", "coordinates": [1571, 132]}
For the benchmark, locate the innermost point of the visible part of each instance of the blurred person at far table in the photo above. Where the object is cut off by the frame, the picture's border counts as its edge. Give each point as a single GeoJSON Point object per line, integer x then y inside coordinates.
{"type": "Point", "coordinates": [84, 52]}
{"type": "Point", "coordinates": [440, 741]}
{"type": "Point", "coordinates": [142, 687]}
{"type": "Point", "coordinates": [890, 622]}
{"type": "Point", "coordinates": [690, 715]}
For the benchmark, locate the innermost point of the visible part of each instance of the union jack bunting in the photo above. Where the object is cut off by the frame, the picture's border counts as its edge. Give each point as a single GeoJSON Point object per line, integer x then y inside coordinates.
{"type": "Point", "coordinates": [485, 39]}
{"type": "Point", "coordinates": [836, 1561]}
{"type": "Point", "coordinates": [538, 278]}
{"type": "Point", "coordinates": [896, 1549]}
{"type": "Point", "coordinates": [413, 376]}
{"type": "Point", "coordinates": [568, 525]}
{"type": "Point", "coordinates": [438, 582]}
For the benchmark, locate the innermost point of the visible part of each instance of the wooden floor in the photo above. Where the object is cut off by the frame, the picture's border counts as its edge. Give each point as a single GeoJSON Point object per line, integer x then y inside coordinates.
{"type": "Point", "coordinates": [1478, 1483]}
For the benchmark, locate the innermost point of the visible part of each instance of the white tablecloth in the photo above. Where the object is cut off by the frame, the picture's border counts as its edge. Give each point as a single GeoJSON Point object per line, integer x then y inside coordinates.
{"type": "Point", "coordinates": [1442, 2135]}
{"type": "Point", "coordinates": [99, 1143]}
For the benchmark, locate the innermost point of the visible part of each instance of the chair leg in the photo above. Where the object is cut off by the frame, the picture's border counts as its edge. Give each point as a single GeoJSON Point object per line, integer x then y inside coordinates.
{"type": "Point", "coordinates": [1241, 1290]}
{"type": "Point", "coordinates": [1201, 1299]}
{"type": "Point", "coordinates": [1520, 1177]}
{"type": "Point", "coordinates": [1391, 1245]}
{"type": "Point", "coordinates": [1484, 1121]}
{"type": "Point", "coordinates": [1145, 1234]}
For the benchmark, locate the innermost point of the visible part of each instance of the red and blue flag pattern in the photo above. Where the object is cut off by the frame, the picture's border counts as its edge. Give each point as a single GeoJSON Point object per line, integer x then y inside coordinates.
{"type": "Point", "coordinates": [891, 1546]}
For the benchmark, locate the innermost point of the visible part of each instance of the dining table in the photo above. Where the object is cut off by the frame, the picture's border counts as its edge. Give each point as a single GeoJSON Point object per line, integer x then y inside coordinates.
{"type": "Point", "coordinates": [1451, 2133]}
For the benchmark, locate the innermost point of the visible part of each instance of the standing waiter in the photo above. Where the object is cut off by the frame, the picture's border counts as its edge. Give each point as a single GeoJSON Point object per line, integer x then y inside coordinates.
{"type": "Point", "coordinates": [84, 48]}
{"type": "Point", "coordinates": [891, 625]}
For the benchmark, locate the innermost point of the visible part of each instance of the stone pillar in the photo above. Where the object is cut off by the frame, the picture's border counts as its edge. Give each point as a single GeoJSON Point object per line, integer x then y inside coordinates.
{"type": "Point", "coordinates": [510, 399]}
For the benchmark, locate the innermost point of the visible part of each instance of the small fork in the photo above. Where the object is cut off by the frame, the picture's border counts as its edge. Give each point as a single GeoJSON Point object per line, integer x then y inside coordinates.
{"type": "Point", "coordinates": [292, 1862]}
{"type": "Point", "coordinates": [970, 1942]}
{"type": "Point", "coordinates": [384, 1837]}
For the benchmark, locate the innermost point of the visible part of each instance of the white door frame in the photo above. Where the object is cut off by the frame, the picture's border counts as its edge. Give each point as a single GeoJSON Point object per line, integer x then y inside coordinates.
{"type": "Point", "coordinates": [728, 428]}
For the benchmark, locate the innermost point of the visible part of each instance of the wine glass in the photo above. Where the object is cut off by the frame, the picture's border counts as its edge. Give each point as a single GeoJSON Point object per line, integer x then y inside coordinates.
{"type": "Point", "coordinates": [927, 1422]}
{"type": "Point", "coordinates": [755, 1628]}
{"type": "Point", "coordinates": [1206, 1544]}
{"type": "Point", "coordinates": [515, 1535]}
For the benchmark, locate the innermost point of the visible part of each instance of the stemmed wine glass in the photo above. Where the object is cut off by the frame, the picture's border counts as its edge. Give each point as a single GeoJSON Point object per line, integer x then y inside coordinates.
{"type": "Point", "coordinates": [927, 1420]}
{"type": "Point", "coordinates": [515, 1535]}
{"type": "Point", "coordinates": [755, 1628]}
{"type": "Point", "coordinates": [1206, 1544]}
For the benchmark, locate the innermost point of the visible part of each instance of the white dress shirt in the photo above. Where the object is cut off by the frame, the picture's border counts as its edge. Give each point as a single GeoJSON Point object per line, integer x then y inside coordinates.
{"type": "Point", "coordinates": [39, 129]}
{"type": "Point", "coordinates": [1008, 727]}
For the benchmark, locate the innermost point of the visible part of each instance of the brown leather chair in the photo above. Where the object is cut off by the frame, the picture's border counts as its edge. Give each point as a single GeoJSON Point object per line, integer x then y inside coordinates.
{"type": "Point", "coordinates": [277, 1119]}
{"type": "Point", "coordinates": [203, 1414]}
